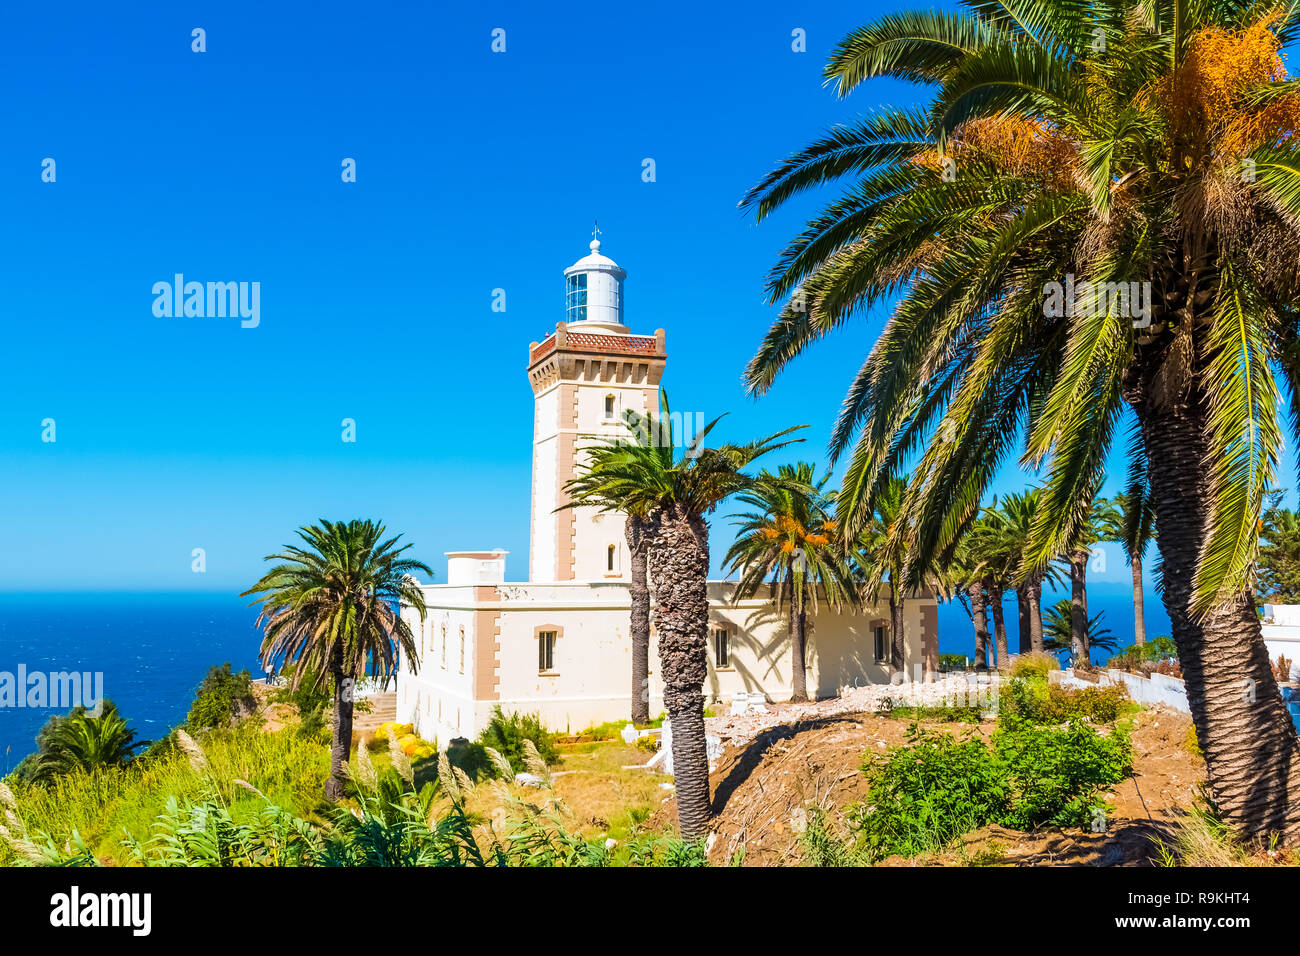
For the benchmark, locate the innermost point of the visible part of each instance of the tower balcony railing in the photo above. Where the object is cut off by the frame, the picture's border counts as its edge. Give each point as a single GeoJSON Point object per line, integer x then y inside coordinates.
{"type": "Point", "coordinates": [565, 339]}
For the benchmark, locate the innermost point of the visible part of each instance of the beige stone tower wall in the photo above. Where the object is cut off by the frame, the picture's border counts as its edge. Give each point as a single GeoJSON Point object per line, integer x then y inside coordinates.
{"type": "Point", "coordinates": [582, 383]}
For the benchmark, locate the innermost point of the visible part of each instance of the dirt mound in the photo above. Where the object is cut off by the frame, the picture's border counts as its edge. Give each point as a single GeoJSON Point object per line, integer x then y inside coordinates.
{"type": "Point", "coordinates": [763, 787]}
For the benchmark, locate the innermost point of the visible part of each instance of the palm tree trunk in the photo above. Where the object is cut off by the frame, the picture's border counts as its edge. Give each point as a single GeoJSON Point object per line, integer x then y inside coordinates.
{"type": "Point", "coordinates": [1036, 616]}
{"type": "Point", "coordinates": [976, 592]}
{"type": "Point", "coordinates": [1139, 619]}
{"type": "Point", "coordinates": [639, 626]}
{"type": "Point", "coordinates": [1252, 752]}
{"type": "Point", "coordinates": [897, 674]}
{"type": "Point", "coordinates": [999, 626]}
{"type": "Point", "coordinates": [1079, 606]}
{"type": "Point", "coordinates": [1022, 618]}
{"type": "Point", "coordinates": [341, 740]}
{"type": "Point", "coordinates": [798, 676]}
{"type": "Point", "coordinates": [679, 567]}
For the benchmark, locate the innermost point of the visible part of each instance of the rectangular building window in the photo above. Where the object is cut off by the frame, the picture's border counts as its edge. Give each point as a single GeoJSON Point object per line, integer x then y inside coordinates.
{"type": "Point", "coordinates": [721, 647]}
{"type": "Point", "coordinates": [546, 651]}
{"type": "Point", "coordinates": [462, 650]}
{"type": "Point", "coordinates": [882, 643]}
{"type": "Point", "coordinates": [444, 647]}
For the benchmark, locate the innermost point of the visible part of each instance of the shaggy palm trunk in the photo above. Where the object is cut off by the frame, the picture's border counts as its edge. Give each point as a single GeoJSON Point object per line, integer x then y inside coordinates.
{"type": "Point", "coordinates": [999, 625]}
{"type": "Point", "coordinates": [1022, 619]}
{"type": "Point", "coordinates": [1079, 607]}
{"type": "Point", "coordinates": [976, 592]}
{"type": "Point", "coordinates": [1139, 619]}
{"type": "Point", "coordinates": [341, 741]}
{"type": "Point", "coordinates": [1036, 616]}
{"type": "Point", "coordinates": [679, 567]}
{"type": "Point", "coordinates": [639, 593]}
{"type": "Point", "coordinates": [896, 636]}
{"type": "Point", "coordinates": [1250, 745]}
{"type": "Point", "coordinates": [798, 676]}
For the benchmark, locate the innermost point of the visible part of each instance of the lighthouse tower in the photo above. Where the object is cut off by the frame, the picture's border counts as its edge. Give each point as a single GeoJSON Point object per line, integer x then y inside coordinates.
{"type": "Point", "coordinates": [584, 376]}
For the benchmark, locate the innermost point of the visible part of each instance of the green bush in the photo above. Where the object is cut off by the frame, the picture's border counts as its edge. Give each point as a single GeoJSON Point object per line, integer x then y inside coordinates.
{"type": "Point", "coordinates": [1034, 666]}
{"type": "Point", "coordinates": [224, 698]}
{"type": "Point", "coordinates": [506, 735]}
{"type": "Point", "coordinates": [1041, 703]}
{"type": "Point", "coordinates": [471, 758]}
{"type": "Point", "coordinates": [924, 795]}
{"type": "Point", "coordinates": [1055, 775]}
{"type": "Point", "coordinates": [1133, 656]}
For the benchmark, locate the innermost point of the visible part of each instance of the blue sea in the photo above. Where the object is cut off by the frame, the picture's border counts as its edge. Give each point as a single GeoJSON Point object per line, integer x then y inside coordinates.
{"type": "Point", "coordinates": [153, 650]}
{"type": "Point", "coordinates": [1114, 601]}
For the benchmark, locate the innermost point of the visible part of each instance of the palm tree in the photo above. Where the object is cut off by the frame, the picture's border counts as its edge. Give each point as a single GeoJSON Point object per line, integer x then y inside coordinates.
{"type": "Point", "coordinates": [1059, 629]}
{"type": "Point", "coordinates": [880, 554]}
{"type": "Point", "coordinates": [676, 489]}
{"type": "Point", "coordinates": [996, 551]}
{"type": "Point", "coordinates": [1131, 522]}
{"type": "Point", "coordinates": [1094, 214]}
{"type": "Point", "coordinates": [1018, 514]}
{"type": "Point", "coordinates": [1088, 532]}
{"type": "Point", "coordinates": [785, 543]}
{"type": "Point", "coordinates": [332, 604]}
{"type": "Point", "coordinates": [79, 741]}
{"type": "Point", "coordinates": [612, 480]}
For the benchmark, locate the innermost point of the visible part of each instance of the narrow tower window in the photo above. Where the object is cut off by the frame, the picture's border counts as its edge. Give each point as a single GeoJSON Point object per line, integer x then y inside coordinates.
{"type": "Point", "coordinates": [609, 406]}
{"type": "Point", "coordinates": [609, 558]}
{"type": "Point", "coordinates": [546, 651]}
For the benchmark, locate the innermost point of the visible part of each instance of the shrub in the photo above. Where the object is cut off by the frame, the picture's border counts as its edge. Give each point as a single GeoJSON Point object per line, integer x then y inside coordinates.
{"type": "Point", "coordinates": [952, 662]}
{"type": "Point", "coordinates": [1034, 666]}
{"type": "Point", "coordinates": [1056, 774]}
{"type": "Point", "coordinates": [925, 794]}
{"type": "Point", "coordinates": [506, 735]}
{"type": "Point", "coordinates": [1041, 703]}
{"type": "Point", "coordinates": [470, 757]}
{"type": "Point", "coordinates": [1135, 655]}
{"type": "Point", "coordinates": [1282, 669]}
{"type": "Point", "coordinates": [223, 699]}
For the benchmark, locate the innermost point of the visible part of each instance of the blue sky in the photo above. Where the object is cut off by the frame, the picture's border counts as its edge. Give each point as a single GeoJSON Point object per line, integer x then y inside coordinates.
{"type": "Point", "coordinates": [475, 171]}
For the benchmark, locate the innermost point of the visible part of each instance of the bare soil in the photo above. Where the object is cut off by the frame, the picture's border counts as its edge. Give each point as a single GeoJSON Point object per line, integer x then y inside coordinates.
{"type": "Point", "coordinates": [763, 786]}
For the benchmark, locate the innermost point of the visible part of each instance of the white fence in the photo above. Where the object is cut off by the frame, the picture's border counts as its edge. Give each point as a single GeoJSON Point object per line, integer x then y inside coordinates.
{"type": "Point", "coordinates": [1156, 689]}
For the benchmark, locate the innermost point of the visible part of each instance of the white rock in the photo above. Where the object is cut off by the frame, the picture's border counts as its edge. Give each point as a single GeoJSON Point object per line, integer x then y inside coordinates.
{"type": "Point", "coordinates": [528, 780]}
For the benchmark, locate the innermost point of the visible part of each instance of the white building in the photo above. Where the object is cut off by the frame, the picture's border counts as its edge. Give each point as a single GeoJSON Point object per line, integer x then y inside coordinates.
{"type": "Point", "coordinates": [1281, 632]}
{"type": "Point", "coordinates": [558, 644]}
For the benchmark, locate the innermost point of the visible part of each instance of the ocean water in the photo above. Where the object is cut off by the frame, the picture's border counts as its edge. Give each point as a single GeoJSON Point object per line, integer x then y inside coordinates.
{"type": "Point", "coordinates": [1113, 601]}
{"type": "Point", "coordinates": [153, 650]}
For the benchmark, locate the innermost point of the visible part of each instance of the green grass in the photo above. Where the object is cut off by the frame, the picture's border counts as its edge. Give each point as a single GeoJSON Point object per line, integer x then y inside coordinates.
{"type": "Point", "coordinates": [102, 807]}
